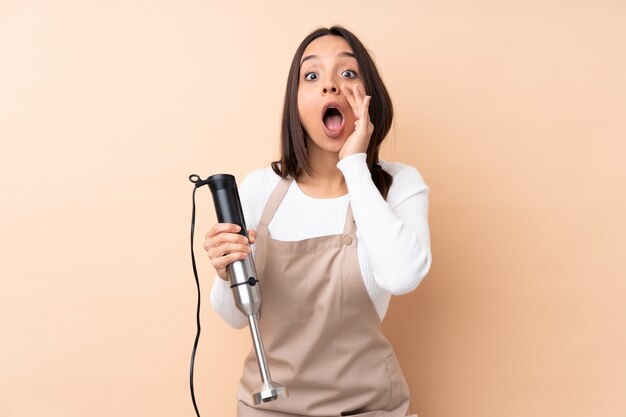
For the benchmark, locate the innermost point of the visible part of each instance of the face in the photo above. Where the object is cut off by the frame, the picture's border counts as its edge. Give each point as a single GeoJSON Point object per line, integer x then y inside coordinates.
{"type": "Point", "coordinates": [327, 69]}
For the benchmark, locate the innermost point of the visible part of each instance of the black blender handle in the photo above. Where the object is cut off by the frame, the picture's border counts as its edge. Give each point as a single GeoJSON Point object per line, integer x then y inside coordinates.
{"type": "Point", "coordinates": [226, 200]}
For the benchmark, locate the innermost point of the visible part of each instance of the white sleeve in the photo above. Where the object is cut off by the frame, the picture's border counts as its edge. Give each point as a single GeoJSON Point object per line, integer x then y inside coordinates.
{"type": "Point", "coordinates": [224, 304]}
{"type": "Point", "coordinates": [222, 299]}
{"type": "Point", "coordinates": [395, 234]}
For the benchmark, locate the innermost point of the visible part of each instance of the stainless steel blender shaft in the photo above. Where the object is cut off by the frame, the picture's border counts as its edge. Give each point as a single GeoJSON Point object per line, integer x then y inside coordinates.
{"type": "Point", "coordinates": [245, 288]}
{"type": "Point", "coordinates": [270, 390]}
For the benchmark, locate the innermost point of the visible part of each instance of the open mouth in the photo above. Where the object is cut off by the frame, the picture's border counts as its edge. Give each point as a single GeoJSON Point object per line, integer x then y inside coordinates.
{"type": "Point", "coordinates": [333, 121]}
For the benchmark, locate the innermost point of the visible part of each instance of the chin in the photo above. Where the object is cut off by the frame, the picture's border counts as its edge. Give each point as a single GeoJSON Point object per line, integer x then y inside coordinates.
{"type": "Point", "coordinates": [326, 144]}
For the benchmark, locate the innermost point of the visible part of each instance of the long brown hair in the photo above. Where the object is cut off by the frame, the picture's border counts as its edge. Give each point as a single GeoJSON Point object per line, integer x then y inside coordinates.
{"type": "Point", "coordinates": [294, 154]}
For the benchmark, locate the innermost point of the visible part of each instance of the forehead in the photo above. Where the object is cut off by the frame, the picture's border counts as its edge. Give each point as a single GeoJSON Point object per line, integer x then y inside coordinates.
{"type": "Point", "coordinates": [327, 45]}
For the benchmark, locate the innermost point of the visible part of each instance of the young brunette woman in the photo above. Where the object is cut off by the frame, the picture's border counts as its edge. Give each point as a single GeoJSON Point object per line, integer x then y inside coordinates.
{"type": "Point", "coordinates": [336, 233]}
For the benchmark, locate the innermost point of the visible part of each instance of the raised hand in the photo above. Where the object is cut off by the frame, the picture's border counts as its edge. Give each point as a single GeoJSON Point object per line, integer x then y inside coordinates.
{"type": "Point", "coordinates": [358, 141]}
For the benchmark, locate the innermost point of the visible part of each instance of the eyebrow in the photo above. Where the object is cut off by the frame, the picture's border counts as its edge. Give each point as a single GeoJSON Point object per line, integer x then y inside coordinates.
{"type": "Point", "coordinates": [345, 53]}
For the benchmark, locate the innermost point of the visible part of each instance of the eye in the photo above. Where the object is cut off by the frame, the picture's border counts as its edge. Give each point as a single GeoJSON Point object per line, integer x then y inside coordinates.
{"type": "Point", "coordinates": [310, 76]}
{"type": "Point", "coordinates": [349, 73]}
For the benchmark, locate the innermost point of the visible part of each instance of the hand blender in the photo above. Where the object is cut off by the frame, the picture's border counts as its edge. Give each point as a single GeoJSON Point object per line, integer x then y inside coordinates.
{"type": "Point", "coordinates": [243, 282]}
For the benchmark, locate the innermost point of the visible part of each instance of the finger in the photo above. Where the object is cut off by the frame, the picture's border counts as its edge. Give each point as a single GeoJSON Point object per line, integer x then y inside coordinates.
{"type": "Point", "coordinates": [228, 238]}
{"type": "Point", "coordinates": [365, 107]}
{"type": "Point", "coordinates": [252, 235]}
{"type": "Point", "coordinates": [351, 101]}
{"type": "Point", "coordinates": [228, 248]}
{"type": "Point", "coordinates": [223, 238]}
{"type": "Point", "coordinates": [222, 228]}
{"type": "Point", "coordinates": [223, 261]}
{"type": "Point", "coordinates": [358, 96]}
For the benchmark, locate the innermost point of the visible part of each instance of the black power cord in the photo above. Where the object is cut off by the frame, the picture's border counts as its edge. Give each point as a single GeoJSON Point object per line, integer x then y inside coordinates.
{"type": "Point", "coordinates": [198, 183]}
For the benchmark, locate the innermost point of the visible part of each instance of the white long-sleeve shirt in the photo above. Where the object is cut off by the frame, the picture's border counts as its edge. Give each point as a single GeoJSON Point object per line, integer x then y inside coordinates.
{"type": "Point", "coordinates": [393, 238]}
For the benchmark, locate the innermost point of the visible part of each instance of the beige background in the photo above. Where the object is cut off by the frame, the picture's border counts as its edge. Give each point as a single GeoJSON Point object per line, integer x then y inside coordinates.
{"type": "Point", "coordinates": [512, 111]}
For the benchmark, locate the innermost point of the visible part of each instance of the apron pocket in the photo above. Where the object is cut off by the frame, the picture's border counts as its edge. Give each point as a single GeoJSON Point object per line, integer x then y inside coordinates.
{"type": "Point", "coordinates": [399, 392]}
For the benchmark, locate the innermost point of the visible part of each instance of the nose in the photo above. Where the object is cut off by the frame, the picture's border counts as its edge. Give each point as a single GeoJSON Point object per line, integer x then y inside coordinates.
{"type": "Point", "coordinates": [330, 87]}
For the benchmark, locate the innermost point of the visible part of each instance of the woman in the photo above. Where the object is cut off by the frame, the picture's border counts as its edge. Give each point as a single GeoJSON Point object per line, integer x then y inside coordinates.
{"type": "Point", "coordinates": [336, 233]}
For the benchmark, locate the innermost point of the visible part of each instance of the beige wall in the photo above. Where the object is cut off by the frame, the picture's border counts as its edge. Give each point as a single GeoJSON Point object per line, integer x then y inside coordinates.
{"type": "Point", "coordinates": [512, 111]}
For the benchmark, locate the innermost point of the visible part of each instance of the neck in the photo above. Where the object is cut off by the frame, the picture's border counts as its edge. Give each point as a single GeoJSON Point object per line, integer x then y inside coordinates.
{"type": "Point", "coordinates": [325, 180]}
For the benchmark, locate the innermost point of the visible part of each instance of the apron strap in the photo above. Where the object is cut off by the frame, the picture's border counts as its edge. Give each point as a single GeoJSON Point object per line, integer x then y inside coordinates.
{"type": "Point", "coordinates": [274, 201]}
{"type": "Point", "coordinates": [350, 227]}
